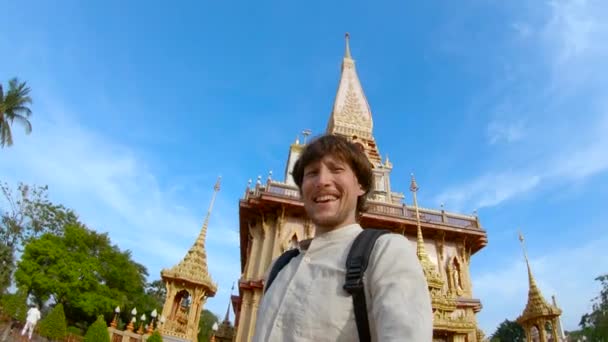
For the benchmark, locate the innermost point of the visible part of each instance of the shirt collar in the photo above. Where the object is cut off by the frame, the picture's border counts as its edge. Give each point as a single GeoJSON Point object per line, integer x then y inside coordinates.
{"type": "Point", "coordinates": [334, 235]}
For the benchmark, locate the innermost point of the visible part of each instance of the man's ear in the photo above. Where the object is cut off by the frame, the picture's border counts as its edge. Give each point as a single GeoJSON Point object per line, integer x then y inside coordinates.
{"type": "Point", "coordinates": [361, 191]}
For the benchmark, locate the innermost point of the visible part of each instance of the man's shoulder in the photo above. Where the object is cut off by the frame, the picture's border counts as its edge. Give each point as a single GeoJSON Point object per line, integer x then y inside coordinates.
{"type": "Point", "coordinates": [393, 244]}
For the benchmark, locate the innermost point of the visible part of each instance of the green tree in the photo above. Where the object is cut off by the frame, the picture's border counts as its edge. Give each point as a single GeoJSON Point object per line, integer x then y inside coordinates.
{"type": "Point", "coordinates": [7, 265]}
{"type": "Point", "coordinates": [155, 337]}
{"type": "Point", "coordinates": [25, 216]}
{"type": "Point", "coordinates": [54, 326]}
{"type": "Point", "coordinates": [595, 324]}
{"type": "Point", "coordinates": [97, 332]}
{"type": "Point", "coordinates": [14, 108]}
{"type": "Point", "coordinates": [508, 331]}
{"type": "Point", "coordinates": [86, 273]}
{"type": "Point", "coordinates": [205, 325]}
{"type": "Point", "coordinates": [158, 291]}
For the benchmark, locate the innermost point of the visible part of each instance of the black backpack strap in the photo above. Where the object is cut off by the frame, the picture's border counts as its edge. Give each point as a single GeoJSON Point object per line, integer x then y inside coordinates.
{"type": "Point", "coordinates": [356, 264]}
{"type": "Point", "coordinates": [279, 264]}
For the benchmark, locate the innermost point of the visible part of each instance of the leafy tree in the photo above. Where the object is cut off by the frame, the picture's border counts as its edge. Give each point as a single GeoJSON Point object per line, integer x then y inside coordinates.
{"type": "Point", "coordinates": [155, 337]}
{"type": "Point", "coordinates": [54, 326]}
{"type": "Point", "coordinates": [84, 272]}
{"type": "Point", "coordinates": [25, 216]}
{"type": "Point", "coordinates": [205, 325]}
{"type": "Point", "coordinates": [595, 324]}
{"type": "Point", "coordinates": [158, 291]}
{"type": "Point", "coordinates": [14, 107]}
{"type": "Point", "coordinates": [97, 332]}
{"type": "Point", "coordinates": [14, 305]}
{"type": "Point", "coordinates": [508, 331]}
{"type": "Point", "coordinates": [6, 267]}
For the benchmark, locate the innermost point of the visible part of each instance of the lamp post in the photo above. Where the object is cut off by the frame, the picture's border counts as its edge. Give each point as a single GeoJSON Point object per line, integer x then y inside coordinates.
{"type": "Point", "coordinates": [133, 320]}
{"type": "Point", "coordinates": [214, 328]}
{"type": "Point", "coordinates": [151, 325]}
{"type": "Point", "coordinates": [115, 320]}
{"type": "Point", "coordinates": [141, 325]}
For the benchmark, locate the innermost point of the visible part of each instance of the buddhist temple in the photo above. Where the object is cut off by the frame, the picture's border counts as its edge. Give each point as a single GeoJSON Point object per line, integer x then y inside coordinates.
{"type": "Point", "coordinates": [188, 284]}
{"type": "Point", "coordinates": [540, 320]}
{"type": "Point", "coordinates": [272, 220]}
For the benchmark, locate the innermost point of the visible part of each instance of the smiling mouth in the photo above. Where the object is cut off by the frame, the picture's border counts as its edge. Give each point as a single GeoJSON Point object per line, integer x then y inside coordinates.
{"type": "Point", "coordinates": [325, 198]}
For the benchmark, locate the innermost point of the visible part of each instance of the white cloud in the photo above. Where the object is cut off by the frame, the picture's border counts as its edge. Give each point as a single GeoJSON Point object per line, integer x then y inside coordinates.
{"type": "Point", "coordinates": [567, 272]}
{"type": "Point", "coordinates": [508, 132]}
{"type": "Point", "coordinates": [113, 190]}
{"type": "Point", "coordinates": [560, 129]}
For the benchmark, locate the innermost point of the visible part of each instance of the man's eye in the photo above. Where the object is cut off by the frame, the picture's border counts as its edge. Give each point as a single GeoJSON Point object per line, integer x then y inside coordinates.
{"type": "Point", "coordinates": [310, 173]}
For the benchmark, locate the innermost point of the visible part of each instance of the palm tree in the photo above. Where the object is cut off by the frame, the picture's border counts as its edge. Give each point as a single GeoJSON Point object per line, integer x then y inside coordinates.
{"type": "Point", "coordinates": [13, 107]}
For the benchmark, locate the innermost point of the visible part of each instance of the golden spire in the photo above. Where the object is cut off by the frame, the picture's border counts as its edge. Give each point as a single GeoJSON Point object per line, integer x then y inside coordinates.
{"type": "Point", "coordinates": [351, 114]}
{"type": "Point", "coordinates": [193, 267]}
{"type": "Point", "coordinates": [433, 278]}
{"type": "Point", "coordinates": [227, 317]}
{"type": "Point", "coordinates": [537, 306]}
{"type": "Point", "coordinates": [347, 51]}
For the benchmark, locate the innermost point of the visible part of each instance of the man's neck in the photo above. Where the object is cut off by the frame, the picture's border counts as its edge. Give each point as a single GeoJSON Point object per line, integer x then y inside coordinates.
{"type": "Point", "coordinates": [319, 230]}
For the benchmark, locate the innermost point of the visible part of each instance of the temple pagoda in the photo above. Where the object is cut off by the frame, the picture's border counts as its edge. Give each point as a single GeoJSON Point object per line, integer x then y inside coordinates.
{"type": "Point", "coordinates": [272, 220]}
{"type": "Point", "coordinates": [188, 284]}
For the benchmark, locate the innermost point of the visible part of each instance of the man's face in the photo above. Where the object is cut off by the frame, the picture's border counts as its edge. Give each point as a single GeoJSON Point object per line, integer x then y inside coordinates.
{"type": "Point", "coordinates": [330, 190]}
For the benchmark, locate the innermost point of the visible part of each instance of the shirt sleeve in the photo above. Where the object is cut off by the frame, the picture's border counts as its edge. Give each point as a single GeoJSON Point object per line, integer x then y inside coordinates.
{"type": "Point", "coordinates": [400, 300]}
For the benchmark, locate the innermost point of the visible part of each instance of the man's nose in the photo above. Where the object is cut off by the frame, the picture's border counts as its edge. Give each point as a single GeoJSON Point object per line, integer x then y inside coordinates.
{"type": "Point", "coordinates": [324, 177]}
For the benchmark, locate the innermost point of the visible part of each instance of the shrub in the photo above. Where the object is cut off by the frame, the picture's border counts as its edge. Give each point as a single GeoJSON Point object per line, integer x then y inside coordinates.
{"type": "Point", "coordinates": [54, 326]}
{"type": "Point", "coordinates": [98, 331]}
{"type": "Point", "coordinates": [14, 305]}
{"type": "Point", "coordinates": [155, 337]}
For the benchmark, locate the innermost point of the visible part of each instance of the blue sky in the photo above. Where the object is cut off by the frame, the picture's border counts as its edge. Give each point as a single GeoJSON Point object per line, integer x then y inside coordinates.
{"type": "Point", "coordinates": [496, 106]}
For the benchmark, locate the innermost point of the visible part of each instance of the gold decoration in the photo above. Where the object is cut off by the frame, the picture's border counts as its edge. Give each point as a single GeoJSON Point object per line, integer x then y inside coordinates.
{"type": "Point", "coordinates": [537, 312]}
{"type": "Point", "coordinates": [188, 285]}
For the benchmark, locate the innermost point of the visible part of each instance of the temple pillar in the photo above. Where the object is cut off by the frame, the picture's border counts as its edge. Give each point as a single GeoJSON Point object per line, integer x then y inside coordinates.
{"type": "Point", "coordinates": [254, 257]}
{"type": "Point", "coordinates": [245, 318]}
{"type": "Point", "coordinates": [266, 252]}
{"type": "Point", "coordinates": [255, 301]}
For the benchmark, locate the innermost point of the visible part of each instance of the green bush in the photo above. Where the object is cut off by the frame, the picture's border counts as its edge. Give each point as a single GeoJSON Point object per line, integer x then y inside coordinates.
{"type": "Point", "coordinates": [14, 305]}
{"type": "Point", "coordinates": [98, 331]}
{"type": "Point", "coordinates": [74, 331]}
{"type": "Point", "coordinates": [155, 337]}
{"type": "Point", "coordinates": [54, 326]}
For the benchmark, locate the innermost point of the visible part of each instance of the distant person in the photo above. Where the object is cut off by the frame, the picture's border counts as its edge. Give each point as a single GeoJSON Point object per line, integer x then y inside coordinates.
{"type": "Point", "coordinates": [310, 293]}
{"type": "Point", "coordinates": [33, 315]}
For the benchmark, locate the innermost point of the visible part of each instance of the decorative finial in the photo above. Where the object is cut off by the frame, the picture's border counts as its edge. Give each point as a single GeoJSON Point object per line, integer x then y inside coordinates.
{"type": "Point", "coordinates": [347, 52]}
{"type": "Point", "coordinates": [216, 187]}
{"type": "Point", "coordinates": [413, 184]}
{"type": "Point", "coordinates": [200, 241]}
{"type": "Point", "coordinates": [259, 181]}
{"type": "Point", "coordinates": [442, 205]}
{"type": "Point", "coordinates": [306, 133]}
{"type": "Point", "coordinates": [475, 212]}
{"type": "Point", "coordinates": [297, 140]}
{"type": "Point", "coordinates": [249, 183]}
{"type": "Point", "coordinates": [270, 176]}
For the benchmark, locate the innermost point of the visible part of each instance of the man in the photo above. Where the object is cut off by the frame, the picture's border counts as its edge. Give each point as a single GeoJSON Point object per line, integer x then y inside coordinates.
{"type": "Point", "coordinates": [33, 315]}
{"type": "Point", "coordinates": [307, 301]}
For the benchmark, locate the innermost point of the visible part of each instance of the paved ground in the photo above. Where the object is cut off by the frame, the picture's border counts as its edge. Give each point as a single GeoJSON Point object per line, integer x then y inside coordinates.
{"type": "Point", "coordinates": [14, 335]}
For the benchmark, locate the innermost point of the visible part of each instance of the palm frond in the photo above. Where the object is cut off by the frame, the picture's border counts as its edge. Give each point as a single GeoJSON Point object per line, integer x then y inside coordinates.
{"type": "Point", "coordinates": [14, 107]}
{"type": "Point", "coordinates": [23, 121]}
{"type": "Point", "coordinates": [6, 137]}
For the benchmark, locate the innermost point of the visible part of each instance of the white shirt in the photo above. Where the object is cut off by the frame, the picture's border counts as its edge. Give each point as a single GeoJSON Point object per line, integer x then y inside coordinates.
{"type": "Point", "coordinates": [306, 301]}
{"type": "Point", "coordinates": [33, 315]}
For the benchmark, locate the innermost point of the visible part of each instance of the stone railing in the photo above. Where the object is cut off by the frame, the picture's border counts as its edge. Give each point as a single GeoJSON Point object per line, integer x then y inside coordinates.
{"type": "Point", "coordinates": [283, 190]}
{"type": "Point", "coordinates": [126, 335]}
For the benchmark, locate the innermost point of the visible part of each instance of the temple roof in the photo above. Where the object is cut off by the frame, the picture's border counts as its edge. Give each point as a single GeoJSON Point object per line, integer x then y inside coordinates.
{"type": "Point", "coordinates": [193, 267]}
{"type": "Point", "coordinates": [351, 115]}
{"type": "Point", "coordinates": [537, 306]}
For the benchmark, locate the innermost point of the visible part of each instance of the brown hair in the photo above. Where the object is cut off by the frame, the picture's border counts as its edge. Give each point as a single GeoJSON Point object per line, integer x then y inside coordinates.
{"type": "Point", "coordinates": [346, 151]}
